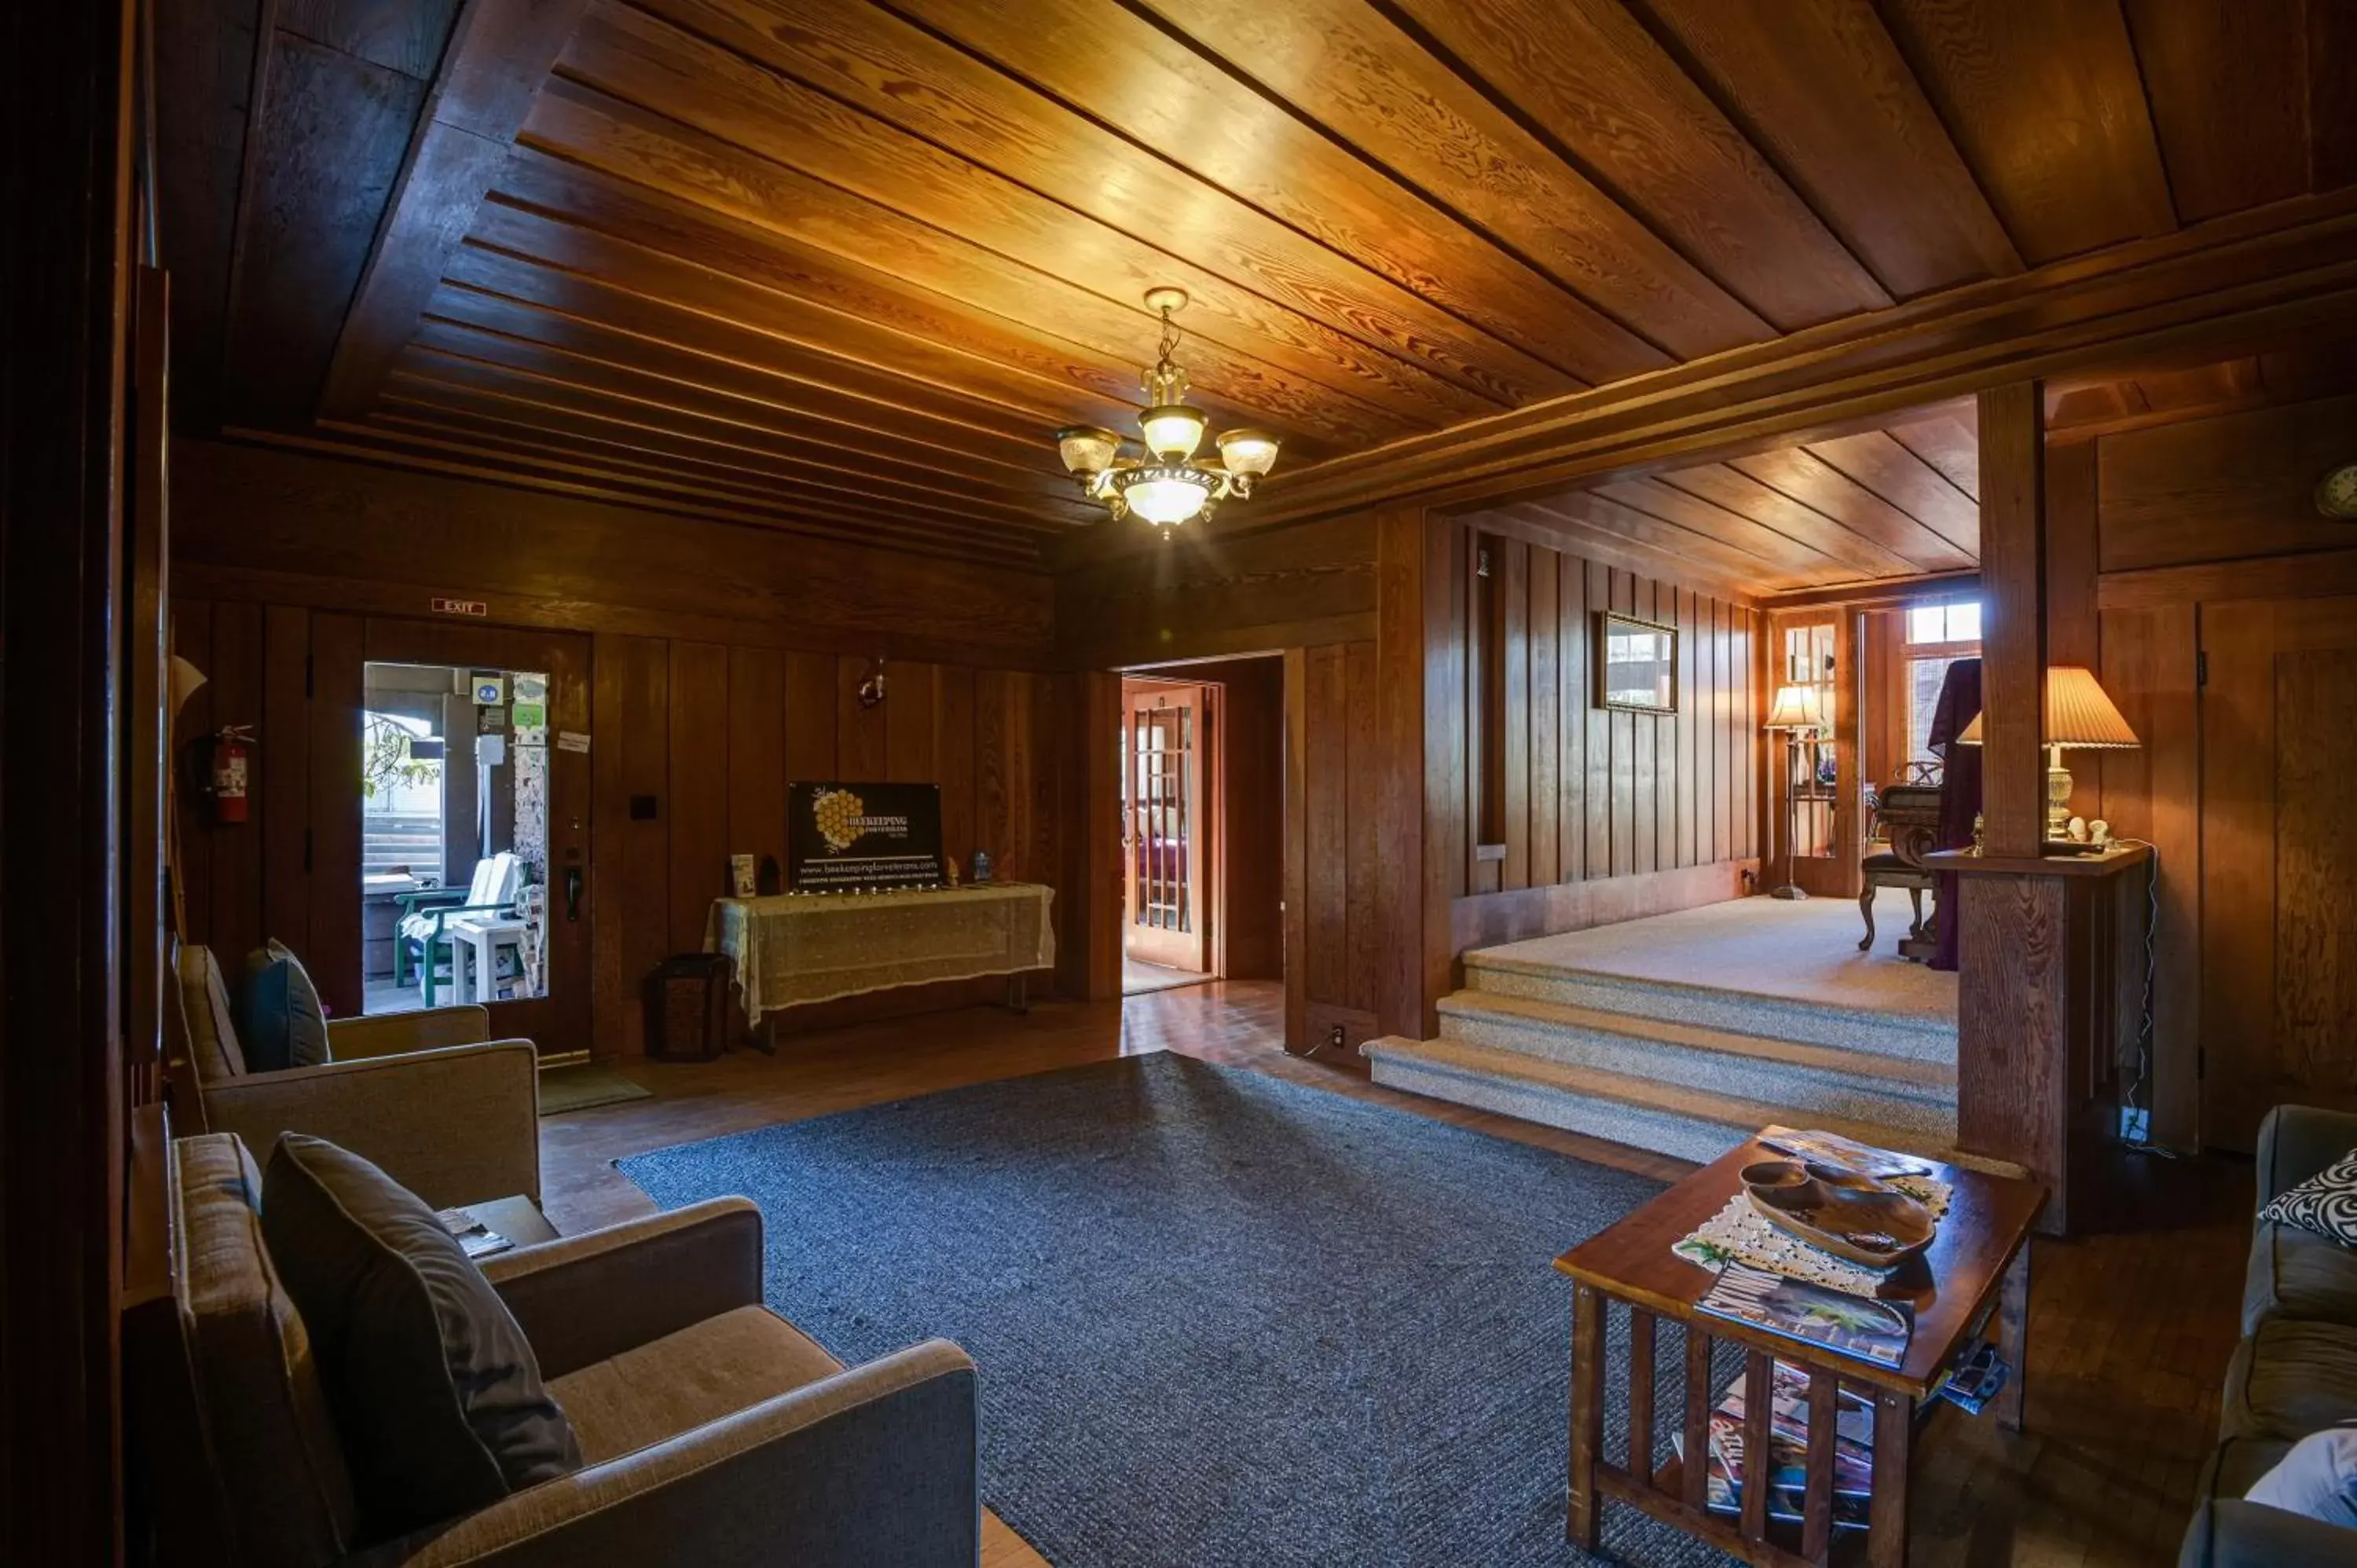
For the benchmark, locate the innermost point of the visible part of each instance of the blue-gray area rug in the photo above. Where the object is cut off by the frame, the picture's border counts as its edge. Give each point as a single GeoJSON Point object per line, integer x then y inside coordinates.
{"type": "Point", "coordinates": [1222, 1320]}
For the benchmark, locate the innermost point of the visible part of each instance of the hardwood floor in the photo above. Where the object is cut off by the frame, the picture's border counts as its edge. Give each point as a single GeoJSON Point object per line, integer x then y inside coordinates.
{"type": "Point", "coordinates": [2129, 1331]}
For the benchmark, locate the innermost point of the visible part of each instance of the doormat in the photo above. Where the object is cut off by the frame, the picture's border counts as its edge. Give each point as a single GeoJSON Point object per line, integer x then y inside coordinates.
{"type": "Point", "coordinates": [564, 1089]}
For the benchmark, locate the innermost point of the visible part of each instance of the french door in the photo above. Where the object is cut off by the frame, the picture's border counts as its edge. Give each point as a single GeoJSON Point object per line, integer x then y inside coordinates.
{"type": "Point", "coordinates": [1165, 843]}
{"type": "Point", "coordinates": [2279, 859]}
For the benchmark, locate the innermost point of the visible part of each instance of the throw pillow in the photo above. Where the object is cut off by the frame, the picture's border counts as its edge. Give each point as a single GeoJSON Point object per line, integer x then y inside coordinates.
{"type": "Point", "coordinates": [280, 1022]}
{"type": "Point", "coordinates": [2325, 1203]}
{"type": "Point", "coordinates": [434, 1391]}
{"type": "Point", "coordinates": [2317, 1479]}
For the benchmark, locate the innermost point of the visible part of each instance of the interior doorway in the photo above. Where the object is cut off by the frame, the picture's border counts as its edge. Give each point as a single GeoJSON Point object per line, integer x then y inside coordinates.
{"type": "Point", "coordinates": [1202, 782]}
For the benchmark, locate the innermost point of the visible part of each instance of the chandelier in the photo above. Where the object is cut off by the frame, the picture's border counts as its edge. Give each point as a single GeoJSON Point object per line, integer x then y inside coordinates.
{"type": "Point", "coordinates": [1167, 484]}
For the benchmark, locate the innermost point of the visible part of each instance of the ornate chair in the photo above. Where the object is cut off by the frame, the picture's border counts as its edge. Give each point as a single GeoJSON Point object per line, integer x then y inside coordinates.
{"type": "Point", "coordinates": [1908, 814]}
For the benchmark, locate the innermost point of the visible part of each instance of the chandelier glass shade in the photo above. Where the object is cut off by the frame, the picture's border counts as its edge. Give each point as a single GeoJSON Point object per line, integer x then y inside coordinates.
{"type": "Point", "coordinates": [1168, 485]}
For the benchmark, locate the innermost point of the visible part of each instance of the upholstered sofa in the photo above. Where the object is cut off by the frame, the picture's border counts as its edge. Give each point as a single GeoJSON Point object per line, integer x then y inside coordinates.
{"type": "Point", "coordinates": [712, 1432]}
{"type": "Point", "coordinates": [2296, 1370]}
{"type": "Point", "coordinates": [451, 1115]}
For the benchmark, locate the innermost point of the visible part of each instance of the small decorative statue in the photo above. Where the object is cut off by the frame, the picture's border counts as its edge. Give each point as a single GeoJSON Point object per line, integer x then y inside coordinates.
{"type": "Point", "coordinates": [2100, 831]}
{"type": "Point", "coordinates": [2075, 830]}
{"type": "Point", "coordinates": [949, 871]}
{"type": "Point", "coordinates": [1976, 832]}
{"type": "Point", "coordinates": [981, 866]}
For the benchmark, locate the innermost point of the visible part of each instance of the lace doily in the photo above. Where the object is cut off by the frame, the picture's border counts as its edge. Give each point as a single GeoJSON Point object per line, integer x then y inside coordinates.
{"type": "Point", "coordinates": [1739, 1234]}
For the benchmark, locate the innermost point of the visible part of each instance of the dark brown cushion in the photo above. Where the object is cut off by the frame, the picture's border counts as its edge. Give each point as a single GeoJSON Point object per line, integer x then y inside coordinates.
{"type": "Point", "coordinates": [434, 1388]}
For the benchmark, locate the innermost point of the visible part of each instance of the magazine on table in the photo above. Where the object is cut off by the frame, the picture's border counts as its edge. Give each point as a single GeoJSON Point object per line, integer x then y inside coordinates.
{"type": "Point", "coordinates": [1833, 1149]}
{"type": "Point", "coordinates": [1974, 1380]}
{"type": "Point", "coordinates": [1858, 1325]}
{"type": "Point", "coordinates": [1728, 1463]}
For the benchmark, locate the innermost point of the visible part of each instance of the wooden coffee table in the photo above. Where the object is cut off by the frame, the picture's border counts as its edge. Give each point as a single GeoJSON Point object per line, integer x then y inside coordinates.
{"type": "Point", "coordinates": [1975, 1274]}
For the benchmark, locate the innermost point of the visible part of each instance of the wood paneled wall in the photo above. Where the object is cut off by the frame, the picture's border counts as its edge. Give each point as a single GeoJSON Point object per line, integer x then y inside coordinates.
{"type": "Point", "coordinates": [1606, 815]}
{"type": "Point", "coordinates": [2155, 527]}
{"type": "Point", "coordinates": [1334, 849]}
{"type": "Point", "coordinates": [726, 662]}
{"type": "Point", "coordinates": [266, 525]}
{"type": "Point", "coordinates": [715, 731]}
{"type": "Point", "coordinates": [1198, 597]}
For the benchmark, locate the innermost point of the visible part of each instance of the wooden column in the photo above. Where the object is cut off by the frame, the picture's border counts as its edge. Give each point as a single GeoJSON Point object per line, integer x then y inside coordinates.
{"type": "Point", "coordinates": [2013, 617]}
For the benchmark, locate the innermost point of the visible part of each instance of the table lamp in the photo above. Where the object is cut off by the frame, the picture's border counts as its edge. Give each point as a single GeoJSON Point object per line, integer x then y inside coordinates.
{"type": "Point", "coordinates": [2078, 714]}
{"type": "Point", "coordinates": [1799, 711]}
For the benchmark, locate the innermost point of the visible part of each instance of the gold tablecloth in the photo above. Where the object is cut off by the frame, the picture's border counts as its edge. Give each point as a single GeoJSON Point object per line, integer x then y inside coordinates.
{"type": "Point", "coordinates": [813, 946]}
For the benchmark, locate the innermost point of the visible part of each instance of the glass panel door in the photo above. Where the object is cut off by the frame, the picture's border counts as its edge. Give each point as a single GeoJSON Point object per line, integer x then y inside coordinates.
{"type": "Point", "coordinates": [1163, 780]}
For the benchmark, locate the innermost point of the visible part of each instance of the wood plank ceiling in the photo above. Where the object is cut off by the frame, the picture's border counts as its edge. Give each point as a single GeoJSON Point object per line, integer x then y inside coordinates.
{"type": "Point", "coordinates": [841, 267]}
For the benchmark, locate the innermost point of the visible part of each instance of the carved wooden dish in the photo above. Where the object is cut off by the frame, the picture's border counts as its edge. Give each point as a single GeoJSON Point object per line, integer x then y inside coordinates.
{"type": "Point", "coordinates": [1850, 1215]}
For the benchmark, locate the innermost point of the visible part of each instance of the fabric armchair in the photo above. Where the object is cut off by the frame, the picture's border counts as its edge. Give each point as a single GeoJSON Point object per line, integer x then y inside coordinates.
{"type": "Point", "coordinates": [713, 1432]}
{"type": "Point", "coordinates": [454, 1126]}
{"type": "Point", "coordinates": [450, 1115]}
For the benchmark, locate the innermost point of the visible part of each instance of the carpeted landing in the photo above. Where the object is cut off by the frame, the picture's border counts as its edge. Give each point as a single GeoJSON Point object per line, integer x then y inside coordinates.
{"type": "Point", "coordinates": [1222, 1320]}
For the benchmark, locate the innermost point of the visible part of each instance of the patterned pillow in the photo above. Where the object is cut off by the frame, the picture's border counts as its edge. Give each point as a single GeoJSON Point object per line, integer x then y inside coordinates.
{"type": "Point", "coordinates": [2325, 1203]}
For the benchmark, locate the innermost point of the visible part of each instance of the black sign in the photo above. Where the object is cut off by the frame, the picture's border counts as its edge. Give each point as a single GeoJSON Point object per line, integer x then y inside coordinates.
{"type": "Point", "coordinates": [842, 838]}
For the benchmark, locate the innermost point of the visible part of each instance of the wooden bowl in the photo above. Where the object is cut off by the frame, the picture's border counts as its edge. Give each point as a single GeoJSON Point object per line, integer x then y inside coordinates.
{"type": "Point", "coordinates": [1848, 1215]}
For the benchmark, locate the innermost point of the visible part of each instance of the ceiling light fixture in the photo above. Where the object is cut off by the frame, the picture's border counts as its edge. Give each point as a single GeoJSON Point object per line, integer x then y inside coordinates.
{"type": "Point", "coordinates": [1168, 485]}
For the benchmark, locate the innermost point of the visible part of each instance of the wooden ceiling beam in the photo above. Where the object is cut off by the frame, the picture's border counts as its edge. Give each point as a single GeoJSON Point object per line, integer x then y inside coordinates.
{"type": "Point", "coordinates": [1649, 495]}
{"type": "Point", "coordinates": [1879, 463]}
{"type": "Point", "coordinates": [878, 62]}
{"type": "Point", "coordinates": [499, 53]}
{"type": "Point", "coordinates": [1724, 485]}
{"type": "Point", "coordinates": [1597, 85]}
{"type": "Point", "coordinates": [446, 440]}
{"type": "Point", "coordinates": [1370, 82]}
{"type": "Point", "coordinates": [1798, 473]}
{"type": "Point", "coordinates": [1537, 525]}
{"type": "Point", "coordinates": [738, 375]}
{"type": "Point", "coordinates": [426, 424]}
{"type": "Point", "coordinates": [430, 369]}
{"type": "Point", "coordinates": [614, 441]}
{"type": "Point", "coordinates": [2292, 266]}
{"type": "Point", "coordinates": [649, 378]}
{"type": "Point", "coordinates": [390, 453]}
{"type": "Point", "coordinates": [1129, 73]}
{"type": "Point", "coordinates": [610, 308]}
{"type": "Point", "coordinates": [1820, 88]}
{"type": "Point", "coordinates": [999, 298]}
{"type": "Point", "coordinates": [2045, 99]}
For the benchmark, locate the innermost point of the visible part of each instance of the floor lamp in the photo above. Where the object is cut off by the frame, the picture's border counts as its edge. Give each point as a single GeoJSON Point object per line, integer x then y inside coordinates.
{"type": "Point", "coordinates": [1799, 711]}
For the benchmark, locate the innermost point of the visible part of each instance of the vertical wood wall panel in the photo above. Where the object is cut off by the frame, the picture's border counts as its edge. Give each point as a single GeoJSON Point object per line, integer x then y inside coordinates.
{"type": "Point", "coordinates": [334, 959]}
{"type": "Point", "coordinates": [757, 754]}
{"type": "Point", "coordinates": [1324, 764]}
{"type": "Point", "coordinates": [286, 783]}
{"type": "Point", "coordinates": [236, 685]}
{"type": "Point", "coordinates": [810, 719]}
{"type": "Point", "coordinates": [1597, 796]}
{"type": "Point", "coordinates": [953, 758]}
{"type": "Point", "coordinates": [697, 805]}
{"type": "Point", "coordinates": [913, 694]}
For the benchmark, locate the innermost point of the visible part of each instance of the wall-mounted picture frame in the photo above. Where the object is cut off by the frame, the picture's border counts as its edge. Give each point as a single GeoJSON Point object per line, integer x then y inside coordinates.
{"type": "Point", "coordinates": [1636, 664]}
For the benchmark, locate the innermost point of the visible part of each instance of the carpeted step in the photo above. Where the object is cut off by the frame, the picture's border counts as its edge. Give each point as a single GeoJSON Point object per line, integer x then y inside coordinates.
{"type": "Point", "coordinates": [1691, 1123]}
{"type": "Point", "coordinates": [1820, 1079]}
{"type": "Point", "coordinates": [1915, 1038]}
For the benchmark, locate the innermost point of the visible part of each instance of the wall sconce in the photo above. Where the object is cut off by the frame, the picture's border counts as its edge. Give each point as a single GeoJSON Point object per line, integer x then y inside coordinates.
{"type": "Point", "coordinates": [871, 689]}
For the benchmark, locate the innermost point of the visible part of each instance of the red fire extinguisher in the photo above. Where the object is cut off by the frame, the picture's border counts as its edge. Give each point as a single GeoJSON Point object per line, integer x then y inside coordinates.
{"type": "Point", "coordinates": [231, 749]}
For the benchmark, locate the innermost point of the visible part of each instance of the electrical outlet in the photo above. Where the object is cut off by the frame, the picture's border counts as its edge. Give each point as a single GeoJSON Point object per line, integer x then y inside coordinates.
{"type": "Point", "coordinates": [1334, 1036]}
{"type": "Point", "coordinates": [2135, 1125]}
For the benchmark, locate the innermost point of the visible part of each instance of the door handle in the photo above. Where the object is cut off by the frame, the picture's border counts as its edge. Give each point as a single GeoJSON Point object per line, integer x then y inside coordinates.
{"type": "Point", "coordinates": [572, 893]}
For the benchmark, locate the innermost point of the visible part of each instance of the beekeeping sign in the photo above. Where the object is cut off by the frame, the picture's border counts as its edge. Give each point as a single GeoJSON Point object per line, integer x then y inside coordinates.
{"type": "Point", "coordinates": [848, 838]}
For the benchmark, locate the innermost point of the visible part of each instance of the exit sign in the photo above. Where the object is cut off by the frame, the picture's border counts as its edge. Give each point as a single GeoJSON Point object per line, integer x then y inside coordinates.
{"type": "Point", "coordinates": [461, 607]}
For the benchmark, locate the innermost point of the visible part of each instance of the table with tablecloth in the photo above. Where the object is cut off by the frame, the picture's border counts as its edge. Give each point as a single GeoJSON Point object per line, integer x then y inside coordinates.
{"type": "Point", "coordinates": [812, 947]}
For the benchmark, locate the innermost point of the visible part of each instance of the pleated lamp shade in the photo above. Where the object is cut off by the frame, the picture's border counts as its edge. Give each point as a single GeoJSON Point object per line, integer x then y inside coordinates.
{"type": "Point", "coordinates": [2078, 714]}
